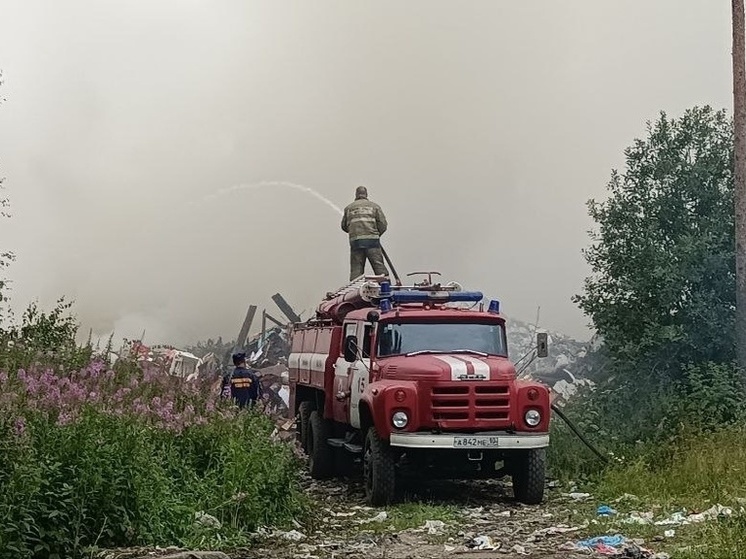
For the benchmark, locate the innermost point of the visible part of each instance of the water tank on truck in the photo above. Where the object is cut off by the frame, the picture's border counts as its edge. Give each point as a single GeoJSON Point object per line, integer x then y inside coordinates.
{"type": "Point", "coordinates": [403, 380]}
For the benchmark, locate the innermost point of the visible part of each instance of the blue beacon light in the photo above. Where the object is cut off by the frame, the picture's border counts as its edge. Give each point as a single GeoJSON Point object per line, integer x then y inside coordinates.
{"type": "Point", "coordinates": [385, 294]}
{"type": "Point", "coordinates": [494, 307]}
{"type": "Point", "coordinates": [437, 297]}
{"type": "Point", "coordinates": [385, 289]}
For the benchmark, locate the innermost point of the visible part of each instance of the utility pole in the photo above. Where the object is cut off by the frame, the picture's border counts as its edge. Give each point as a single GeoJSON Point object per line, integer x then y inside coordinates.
{"type": "Point", "coordinates": [739, 176]}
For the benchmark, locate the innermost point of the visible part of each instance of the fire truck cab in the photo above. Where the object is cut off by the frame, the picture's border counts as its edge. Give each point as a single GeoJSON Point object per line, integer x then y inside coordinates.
{"type": "Point", "coordinates": [415, 380]}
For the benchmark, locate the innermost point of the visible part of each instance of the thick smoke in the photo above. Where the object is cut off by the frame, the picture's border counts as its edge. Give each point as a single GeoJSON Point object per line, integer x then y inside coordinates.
{"type": "Point", "coordinates": [482, 128]}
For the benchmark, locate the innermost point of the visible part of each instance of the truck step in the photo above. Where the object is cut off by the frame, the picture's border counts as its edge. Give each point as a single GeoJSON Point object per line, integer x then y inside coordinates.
{"type": "Point", "coordinates": [336, 443]}
{"type": "Point", "coordinates": [353, 448]}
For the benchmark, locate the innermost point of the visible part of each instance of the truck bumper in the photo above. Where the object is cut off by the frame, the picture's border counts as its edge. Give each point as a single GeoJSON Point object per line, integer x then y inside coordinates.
{"type": "Point", "coordinates": [465, 441]}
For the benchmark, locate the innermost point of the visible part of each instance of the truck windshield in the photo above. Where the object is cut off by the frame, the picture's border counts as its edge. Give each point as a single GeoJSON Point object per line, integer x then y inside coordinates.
{"type": "Point", "coordinates": [441, 337]}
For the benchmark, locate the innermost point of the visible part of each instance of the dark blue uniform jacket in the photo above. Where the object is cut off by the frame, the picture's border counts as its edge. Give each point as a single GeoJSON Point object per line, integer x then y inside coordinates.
{"type": "Point", "coordinates": [244, 385]}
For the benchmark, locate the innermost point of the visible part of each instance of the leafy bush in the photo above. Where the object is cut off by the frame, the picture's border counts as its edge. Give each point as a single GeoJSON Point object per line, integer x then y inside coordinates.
{"type": "Point", "coordinates": [93, 455]}
{"type": "Point", "coordinates": [100, 457]}
{"type": "Point", "coordinates": [43, 337]}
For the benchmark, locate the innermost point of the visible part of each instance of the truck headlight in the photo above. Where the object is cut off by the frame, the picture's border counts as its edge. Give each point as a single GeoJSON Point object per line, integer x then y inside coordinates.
{"type": "Point", "coordinates": [533, 418]}
{"type": "Point", "coordinates": [400, 420]}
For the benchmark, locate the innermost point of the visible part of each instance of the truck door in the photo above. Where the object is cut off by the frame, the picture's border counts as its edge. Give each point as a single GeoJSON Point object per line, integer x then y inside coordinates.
{"type": "Point", "coordinates": [360, 372]}
{"type": "Point", "coordinates": [342, 370]}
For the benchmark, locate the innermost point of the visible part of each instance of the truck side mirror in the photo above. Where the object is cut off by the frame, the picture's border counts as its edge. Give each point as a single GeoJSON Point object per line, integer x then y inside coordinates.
{"type": "Point", "coordinates": [542, 344]}
{"type": "Point", "coordinates": [350, 349]}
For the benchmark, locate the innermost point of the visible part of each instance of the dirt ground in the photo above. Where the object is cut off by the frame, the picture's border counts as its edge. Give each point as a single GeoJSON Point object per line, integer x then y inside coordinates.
{"type": "Point", "coordinates": [349, 529]}
{"type": "Point", "coordinates": [464, 518]}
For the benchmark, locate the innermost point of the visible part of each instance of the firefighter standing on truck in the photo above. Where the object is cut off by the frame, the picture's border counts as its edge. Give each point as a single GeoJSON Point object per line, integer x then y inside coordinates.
{"type": "Point", "coordinates": [365, 222]}
{"type": "Point", "coordinates": [243, 383]}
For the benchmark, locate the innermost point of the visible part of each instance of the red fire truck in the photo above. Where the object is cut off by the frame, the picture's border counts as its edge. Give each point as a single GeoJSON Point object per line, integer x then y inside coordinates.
{"type": "Point", "coordinates": [415, 380]}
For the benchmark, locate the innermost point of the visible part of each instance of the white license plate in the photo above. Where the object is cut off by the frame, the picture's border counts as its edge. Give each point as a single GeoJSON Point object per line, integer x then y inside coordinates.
{"type": "Point", "coordinates": [476, 442]}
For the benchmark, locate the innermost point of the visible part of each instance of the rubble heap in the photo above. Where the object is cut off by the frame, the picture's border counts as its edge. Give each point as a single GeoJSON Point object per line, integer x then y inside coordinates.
{"type": "Point", "coordinates": [567, 368]}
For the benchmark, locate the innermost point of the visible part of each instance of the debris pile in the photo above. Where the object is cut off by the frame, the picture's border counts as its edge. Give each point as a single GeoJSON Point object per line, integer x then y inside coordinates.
{"type": "Point", "coordinates": [166, 359]}
{"type": "Point", "coordinates": [616, 546]}
{"type": "Point", "coordinates": [567, 368]}
{"type": "Point", "coordinates": [680, 518]}
{"type": "Point", "coordinates": [269, 349]}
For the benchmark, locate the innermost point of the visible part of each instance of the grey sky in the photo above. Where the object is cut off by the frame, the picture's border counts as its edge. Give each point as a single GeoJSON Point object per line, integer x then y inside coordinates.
{"type": "Point", "coordinates": [481, 127]}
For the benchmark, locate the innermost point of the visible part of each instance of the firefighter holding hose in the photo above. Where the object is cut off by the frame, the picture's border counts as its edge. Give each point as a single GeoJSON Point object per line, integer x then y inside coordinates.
{"type": "Point", "coordinates": [365, 222]}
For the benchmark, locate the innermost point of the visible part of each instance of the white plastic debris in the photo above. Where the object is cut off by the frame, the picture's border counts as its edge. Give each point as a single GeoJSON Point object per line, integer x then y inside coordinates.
{"type": "Point", "coordinates": [640, 518]}
{"type": "Point", "coordinates": [206, 520]}
{"type": "Point", "coordinates": [554, 530]}
{"type": "Point", "coordinates": [380, 517]}
{"type": "Point", "coordinates": [578, 496]}
{"type": "Point", "coordinates": [669, 533]}
{"type": "Point", "coordinates": [449, 548]}
{"type": "Point", "coordinates": [293, 535]}
{"type": "Point", "coordinates": [519, 549]}
{"type": "Point", "coordinates": [627, 497]}
{"type": "Point", "coordinates": [710, 514]}
{"type": "Point", "coordinates": [679, 518]}
{"type": "Point", "coordinates": [484, 543]}
{"type": "Point", "coordinates": [676, 519]}
{"type": "Point", "coordinates": [434, 526]}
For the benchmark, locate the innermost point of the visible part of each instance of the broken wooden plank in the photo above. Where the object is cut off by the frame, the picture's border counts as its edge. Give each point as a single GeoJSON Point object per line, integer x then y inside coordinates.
{"type": "Point", "coordinates": [244, 332]}
{"type": "Point", "coordinates": [273, 319]}
{"type": "Point", "coordinates": [286, 309]}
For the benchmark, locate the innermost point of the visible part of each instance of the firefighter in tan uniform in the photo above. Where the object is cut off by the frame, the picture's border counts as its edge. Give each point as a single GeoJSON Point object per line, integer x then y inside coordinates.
{"type": "Point", "coordinates": [365, 222]}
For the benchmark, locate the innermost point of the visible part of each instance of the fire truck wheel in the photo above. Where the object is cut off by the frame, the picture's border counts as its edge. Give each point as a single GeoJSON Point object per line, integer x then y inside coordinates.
{"type": "Point", "coordinates": [320, 454]}
{"type": "Point", "coordinates": [304, 419]}
{"type": "Point", "coordinates": [378, 470]}
{"type": "Point", "coordinates": [529, 476]}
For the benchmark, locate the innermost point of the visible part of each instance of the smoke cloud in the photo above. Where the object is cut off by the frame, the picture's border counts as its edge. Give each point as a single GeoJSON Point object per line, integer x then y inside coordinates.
{"type": "Point", "coordinates": [481, 128]}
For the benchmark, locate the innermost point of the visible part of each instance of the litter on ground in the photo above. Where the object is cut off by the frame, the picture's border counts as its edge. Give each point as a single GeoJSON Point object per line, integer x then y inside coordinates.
{"type": "Point", "coordinates": [605, 510]}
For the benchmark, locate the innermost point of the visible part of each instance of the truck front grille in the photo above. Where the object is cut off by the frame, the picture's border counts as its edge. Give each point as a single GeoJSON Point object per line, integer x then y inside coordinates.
{"type": "Point", "coordinates": [470, 403]}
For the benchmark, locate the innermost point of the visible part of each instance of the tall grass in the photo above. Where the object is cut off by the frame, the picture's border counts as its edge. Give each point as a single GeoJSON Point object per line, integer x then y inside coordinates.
{"type": "Point", "coordinates": [695, 470]}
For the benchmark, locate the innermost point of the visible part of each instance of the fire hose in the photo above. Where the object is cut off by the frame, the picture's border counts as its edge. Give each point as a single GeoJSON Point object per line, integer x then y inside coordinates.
{"type": "Point", "coordinates": [391, 265]}
{"type": "Point", "coordinates": [574, 429]}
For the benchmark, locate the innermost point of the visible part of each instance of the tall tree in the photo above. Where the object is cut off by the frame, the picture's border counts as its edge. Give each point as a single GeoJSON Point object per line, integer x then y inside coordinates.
{"type": "Point", "coordinates": [739, 176]}
{"type": "Point", "coordinates": [662, 289]}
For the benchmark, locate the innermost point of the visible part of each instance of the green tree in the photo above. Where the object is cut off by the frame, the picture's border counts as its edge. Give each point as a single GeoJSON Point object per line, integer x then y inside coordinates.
{"type": "Point", "coordinates": [661, 292]}
{"type": "Point", "coordinates": [662, 289]}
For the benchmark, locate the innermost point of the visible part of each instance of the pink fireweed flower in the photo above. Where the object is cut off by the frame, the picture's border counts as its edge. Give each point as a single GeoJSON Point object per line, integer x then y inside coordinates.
{"type": "Point", "coordinates": [19, 427]}
{"type": "Point", "coordinates": [64, 419]}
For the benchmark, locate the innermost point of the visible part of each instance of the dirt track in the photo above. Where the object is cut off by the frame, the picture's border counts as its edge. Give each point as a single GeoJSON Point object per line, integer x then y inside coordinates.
{"type": "Point", "coordinates": [482, 509]}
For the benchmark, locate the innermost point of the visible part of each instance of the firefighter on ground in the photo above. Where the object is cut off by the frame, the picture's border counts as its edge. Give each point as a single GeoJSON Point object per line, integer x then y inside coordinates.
{"type": "Point", "coordinates": [365, 222]}
{"type": "Point", "coordinates": [242, 384]}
